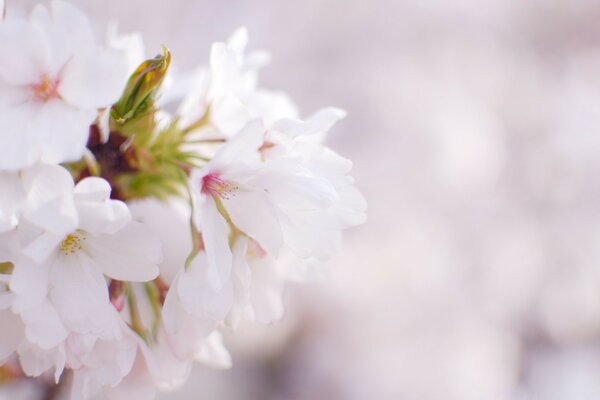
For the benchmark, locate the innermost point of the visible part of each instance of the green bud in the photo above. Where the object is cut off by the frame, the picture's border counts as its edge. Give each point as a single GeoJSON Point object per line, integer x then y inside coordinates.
{"type": "Point", "coordinates": [139, 95]}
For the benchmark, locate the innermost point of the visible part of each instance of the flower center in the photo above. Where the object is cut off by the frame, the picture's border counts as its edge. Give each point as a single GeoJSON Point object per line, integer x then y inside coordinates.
{"type": "Point", "coordinates": [213, 185]}
{"type": "Point", "coordinates": [46, 89]}
{"type": "Point", "coordinates": [72, 243]}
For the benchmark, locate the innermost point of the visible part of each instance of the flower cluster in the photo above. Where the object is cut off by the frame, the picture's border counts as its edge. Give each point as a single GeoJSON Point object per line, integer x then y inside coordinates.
{"type": "Point", "coordinates": [131, 236]}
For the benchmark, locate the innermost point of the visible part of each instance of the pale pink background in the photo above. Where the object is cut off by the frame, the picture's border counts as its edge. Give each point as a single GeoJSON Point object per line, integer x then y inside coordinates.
{"type": "Point", "coordinates": [475, 130]}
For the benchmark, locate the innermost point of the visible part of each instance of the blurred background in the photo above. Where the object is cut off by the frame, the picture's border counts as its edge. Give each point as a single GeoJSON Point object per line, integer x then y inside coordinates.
{"type": "Point", "coordinates": [474, 129]}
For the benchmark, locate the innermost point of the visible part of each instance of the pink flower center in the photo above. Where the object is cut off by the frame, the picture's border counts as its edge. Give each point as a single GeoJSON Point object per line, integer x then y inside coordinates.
{"type": "Point", "coordinates": [46, 89]}
{"type": "Point", "coordinates": [214, 186]}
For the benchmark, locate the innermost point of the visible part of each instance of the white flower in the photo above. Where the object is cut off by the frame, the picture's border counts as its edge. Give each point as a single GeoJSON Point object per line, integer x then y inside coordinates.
{"type": "Point", "coordinates": [170, 222]}
{"type": "Point", "coordinates": [12, 196]}
{"type": "Point", "coordinates": [101, 363]}
{"type": "Point", "coordinates": [53, 79]}
{"type": "Point", "coordinates": [37, 209]}
{"type": "Point", "coordinates": [193, 309]}
{"type": "Point", "coordinates": [231, 184]}
{"type": "Point", "coordinates": [12, 327]}
{"type": "Point", "coordinates": [62, 292]}
{"type": "Point", "coordinates": [229, 89]}
{"type": "Point", "coordinates": [321, 226]}
{"type": "Point", "coordinates": [296, 201]}
{"type": "Point", "coordinates": [258, 285]}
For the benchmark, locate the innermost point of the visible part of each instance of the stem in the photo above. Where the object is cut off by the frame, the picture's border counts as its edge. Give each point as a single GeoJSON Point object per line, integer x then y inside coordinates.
{"type": "Point", "coordinates": [136, 320]}
{"type": "Point", "coordinates": [153, 293]}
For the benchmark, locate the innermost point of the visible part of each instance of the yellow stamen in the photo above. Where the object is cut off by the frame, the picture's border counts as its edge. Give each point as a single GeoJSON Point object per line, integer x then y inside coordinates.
{"type": "Point", "coordinates": [72, 243]}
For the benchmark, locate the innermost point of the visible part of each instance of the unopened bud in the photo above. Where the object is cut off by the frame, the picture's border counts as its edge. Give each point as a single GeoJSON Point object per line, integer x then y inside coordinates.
{"type": "Point", "coordinates": [139, 94]}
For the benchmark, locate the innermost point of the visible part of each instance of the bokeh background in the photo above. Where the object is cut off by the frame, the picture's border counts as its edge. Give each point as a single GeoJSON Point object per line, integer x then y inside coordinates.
{"type": "Point", "coordinates": [474, 126]}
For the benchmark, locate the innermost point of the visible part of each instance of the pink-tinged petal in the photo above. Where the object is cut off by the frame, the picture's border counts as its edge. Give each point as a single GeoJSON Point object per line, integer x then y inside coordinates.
{"type": "Point", "coordinates": [64, 131]}
{"type": "Point", "coordinates": [254, 214]}
{"type": "Point", "coordinates": [12, 333]}
{"type": "Point", "coordinates": [24, 53]}
{"type": "Point", "coordinates": [215, 233]}
{"type": "Point", "coordinates": [131, 254]}
{"type": "Point", "coordinates": [96, 80]}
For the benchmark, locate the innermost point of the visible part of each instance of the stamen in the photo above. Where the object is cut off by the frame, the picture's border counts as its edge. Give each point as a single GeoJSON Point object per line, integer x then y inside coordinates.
{"type": "Point", "coordinates": [72, 243]}
{"type": "Point", "coordinates": [213, 185]}
{"type": "Point", "coordinates": [47, 89]}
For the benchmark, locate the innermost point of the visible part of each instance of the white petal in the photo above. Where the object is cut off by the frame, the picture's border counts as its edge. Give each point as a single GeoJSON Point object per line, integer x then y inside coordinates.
{"type": "Point", "coordinates": [80, 295]}
{"type": "Point", "coordinates": [92, 189]}
{"type": "Point", "coordinates": [137, 385]}
{"type": "Point", "coordinates": [64, 130]}
{"type": "Point", "coordinates": [49, 204]}
{"type": "Point", "coordinates": [24, 53]}
{"type": "Point", "coordinates": [42, 246]}
{"type": "Point", "coordinates": [67, 28]}
{"type": "Point", "coordinates": [214, 353]}
{"type": "Point", "coordinates": [185, 333]}
{"type": "Point", "coordinates": [131, 254]}
{"type": "Point", "coordinates": [255, 215]}
{"type": "Point", "coordinates": [43, 326]}
{"type": "Point", "coordinates": [266, 292]}
{"type": "Point", "coordinates": [238, 40]}
{"type": "Point", "coordinates": [170, 221]}
{"type": "Point", "coordinates": [12, 196]}
{"type": "Point", "coordinates": [22, 148]}
{"type": "Point", "coordinates": [29, 282]}
{"type": "Point", "coordinates": [12, 333]}
{"type": "Point", "coordinates": [215, 234]}
{"type": "Point", "coordinates": [98, 214]}
{"type": "Point", "coordinates": [320, 122]}
{"type": "Point", "coordinates": [229, 114]}
{"type": "Point", "coordinates": [36, 361]}
{"type": "Point", "coordinates": [198, 297]}
{"type": "Point", "coordinates": [243, 147]}
{"type": "Point", "coordinates": [95, 80]}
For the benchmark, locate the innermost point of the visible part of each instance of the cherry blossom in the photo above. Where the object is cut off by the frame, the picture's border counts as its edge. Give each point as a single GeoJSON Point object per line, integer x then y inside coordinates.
{"type": "Point", "coordinates": [53, 78]}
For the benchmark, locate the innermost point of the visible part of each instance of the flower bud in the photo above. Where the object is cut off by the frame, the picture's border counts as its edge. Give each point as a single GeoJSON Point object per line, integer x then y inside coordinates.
{"type": "Point", "coordinates": [139, 94]}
